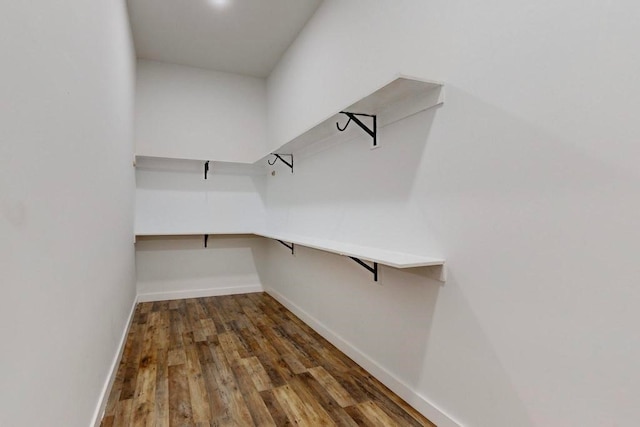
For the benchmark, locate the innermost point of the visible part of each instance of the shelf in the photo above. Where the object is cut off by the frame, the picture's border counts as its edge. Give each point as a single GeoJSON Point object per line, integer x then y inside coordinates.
{"type": "Point", "coordinates": [358, 253]}
{"type": "Point", "coordinates": [193, 233]}
{"type": "Point", "coordinates": [381, 256]}
{"type": "Point", "coordinates": [401, 97]}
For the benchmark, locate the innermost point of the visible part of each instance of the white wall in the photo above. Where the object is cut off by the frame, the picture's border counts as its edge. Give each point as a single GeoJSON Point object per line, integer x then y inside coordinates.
{"type": "Point", "coordinates": [66, 205]}
{"type": "Point", "coordinates": [180, 267]}
{"type": "Point", "coordinates": [180, 201]}
{"type": "Point", "coordinates": [193, 113]}
{"type": "Point", "coordinates": [525, 180]}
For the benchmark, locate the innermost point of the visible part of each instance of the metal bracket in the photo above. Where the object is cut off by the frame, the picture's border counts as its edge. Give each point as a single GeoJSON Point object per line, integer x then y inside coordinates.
{"type": "Point", "coordinates": [206, 239]}
{"type": "Point", "coordinates": [206, 169]}
{"type": "Point", "coordinates": [290, 247]}
{"type": "Point", "coordinates": [373, 133]}
{"type": "Point", "coordinates": [373, 269]}
{"type": "Point", "coordinates": [279, 157]}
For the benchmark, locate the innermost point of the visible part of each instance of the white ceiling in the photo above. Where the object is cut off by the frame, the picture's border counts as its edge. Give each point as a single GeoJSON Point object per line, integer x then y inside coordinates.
{"type": "Point", "coordinates": [237, 36]}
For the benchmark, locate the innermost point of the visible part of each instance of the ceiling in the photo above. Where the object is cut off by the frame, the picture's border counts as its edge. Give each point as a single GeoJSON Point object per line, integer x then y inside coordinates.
{"type": "Point", "coordinates": [237, 36]}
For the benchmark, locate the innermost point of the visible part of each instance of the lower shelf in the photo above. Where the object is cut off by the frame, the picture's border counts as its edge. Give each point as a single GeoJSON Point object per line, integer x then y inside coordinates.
{"type": "Point", "coordinates": [358, 253]}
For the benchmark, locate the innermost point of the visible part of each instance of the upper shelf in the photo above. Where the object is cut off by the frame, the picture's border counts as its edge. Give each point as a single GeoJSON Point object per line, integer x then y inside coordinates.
{"type": "Point", "coordinates": [401, 97]}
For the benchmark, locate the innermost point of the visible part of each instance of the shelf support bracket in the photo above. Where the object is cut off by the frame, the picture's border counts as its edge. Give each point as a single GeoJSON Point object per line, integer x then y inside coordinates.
{"type": "Point", "coordinates": [373, 133]}
{"type": "Point", "coordinates": [279, 157]}
{"type": "Point", "coordinates": [373, 270]}
{"type": "Point", "coordinates": [206, 240]}
{"type": "Point", "coordinates": [206, 169]}
{"type": "Point", "coordinates": [292, 246]}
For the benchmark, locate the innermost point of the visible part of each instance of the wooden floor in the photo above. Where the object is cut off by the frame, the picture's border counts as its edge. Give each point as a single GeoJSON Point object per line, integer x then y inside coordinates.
{"type": "Point", "coordinates": [241, 360]}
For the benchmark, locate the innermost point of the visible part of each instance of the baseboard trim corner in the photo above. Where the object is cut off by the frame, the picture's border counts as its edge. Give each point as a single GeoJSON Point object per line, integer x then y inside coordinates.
{"type": "Point", "coordinates": [420, 403]}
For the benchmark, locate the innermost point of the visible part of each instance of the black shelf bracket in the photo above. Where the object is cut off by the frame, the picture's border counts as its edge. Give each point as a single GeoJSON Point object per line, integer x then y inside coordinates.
{"type": "Point", "coordinates": [373, 270]}
{"type": "Point", "coordinates": [292, 246]}
{"type": "Point", "coordinates": [206, 240]}
{"type": "Point", "coordinates": [206, 169]}
{"type": "Point", "coordinates": [373, 133]}
{"type": "Point", "coordinates": [279, 157]}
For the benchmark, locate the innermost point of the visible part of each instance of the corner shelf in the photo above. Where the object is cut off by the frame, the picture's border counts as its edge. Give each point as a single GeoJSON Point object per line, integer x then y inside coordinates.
{"type": "Point", "coordinates": [400, 260]}
{"type": "Point", "coordinates": [401, 97]}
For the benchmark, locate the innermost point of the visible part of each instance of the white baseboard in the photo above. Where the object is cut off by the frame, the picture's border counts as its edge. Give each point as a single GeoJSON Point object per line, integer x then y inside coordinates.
{"type": "Point", "coordinates": [198, 293]}
{"type": "Point", "coordinates": [420, 403]}
{"type": "Point", "coordinates": [106, 389]}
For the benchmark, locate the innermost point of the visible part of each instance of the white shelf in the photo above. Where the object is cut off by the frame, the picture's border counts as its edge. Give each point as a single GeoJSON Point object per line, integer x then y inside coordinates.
{"type": "Point", "coordinates": [381, 256]}
{"type": "Point", "coordinates": [393, 259]}
{"type": "Point", "coordinates": [192, 233]}
{"type": "Point", "coordinates": [401, 97]}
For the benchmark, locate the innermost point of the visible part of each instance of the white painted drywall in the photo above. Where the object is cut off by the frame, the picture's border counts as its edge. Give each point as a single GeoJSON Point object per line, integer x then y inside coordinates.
{"type": "Point", "coordinates": [525, 181]}
{"type": "Point", "coordinates": [66, 206]}
{"type": "Point", "coordinates": [180, 266]}
{"type": "Point", "coordinates": [193, 113]}
{"type": "Point", "coordinates": [183, 202]}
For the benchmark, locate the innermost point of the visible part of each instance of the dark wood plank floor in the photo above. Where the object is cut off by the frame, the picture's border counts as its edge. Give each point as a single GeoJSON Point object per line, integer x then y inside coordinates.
{"type": "Point", "coordinates": [241, 360]}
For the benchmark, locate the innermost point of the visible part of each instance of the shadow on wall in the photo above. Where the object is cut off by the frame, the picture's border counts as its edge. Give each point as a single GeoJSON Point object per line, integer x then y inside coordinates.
{"type": "Point", "coordinates": [193, 181]}
{"type": "Point", "coordinates": [462, 365]}
{"type": "Point", "coordinates": [386, 322]}
{"type": "Point", "coordinates": [485, 149]}
{"type": "Point", "coordinates": [524, 207]}
{"type": "Point", "coordinates": [345, 171]}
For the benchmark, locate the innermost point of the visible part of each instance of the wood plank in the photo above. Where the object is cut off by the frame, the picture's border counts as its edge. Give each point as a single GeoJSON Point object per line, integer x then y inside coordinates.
{"type": "Point", "coordinates": [216, 406]}
{"type": "Point", "coordinates": [395, 407]}
{"type": "Point", "coordinates": [375, 415]}
{"type": "Point", "coordinates": [163, 334]}
{"type": "Point", "coordinates": [335, 411]}
{"type": "Point", "coordinates": [277, 414]}
{"type": "Point", "coordinates": [231, 395]}
{"type": "Point", "coordinates": [176, 357]}
{"type": "Point", "coordinates": [257, 408]}
{"type": "Point", "coordinates": [357, 416]}
{"type": "Point", "coordinates": [107, 421]}
{"type": "Point", "coordinates": [179, 399]}
{"type": "Point", "coordinates": [162, 389]}
{"type": "Point", "coordinates": [257, 373]}
{"type": "Point", "coordinates": [197, 389]}
{"type": "Point", "coordinates": [133, 361]}
{"type": "Point", "coordinates": [314, 407]}
{"type": "Point", "coordinates": [144, 398]}
{"type": "Point", "coordinates": [333, 387]}
{"type": "Point", "coordinates": [122, 416]}
{"type": "Point", "coordinates": [293, 406]}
